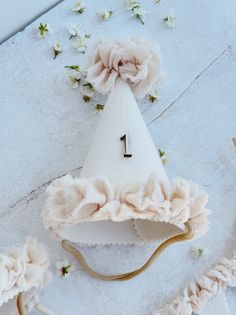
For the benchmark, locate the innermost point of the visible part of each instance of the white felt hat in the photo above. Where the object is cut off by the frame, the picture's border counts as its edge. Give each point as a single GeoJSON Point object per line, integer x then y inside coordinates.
{"type": "Point", "coordinates": [123, 194]}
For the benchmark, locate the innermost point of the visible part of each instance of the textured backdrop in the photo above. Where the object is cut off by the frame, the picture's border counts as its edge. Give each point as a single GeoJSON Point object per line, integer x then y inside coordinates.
{"type": "Point", "coordinates": [46, 128]}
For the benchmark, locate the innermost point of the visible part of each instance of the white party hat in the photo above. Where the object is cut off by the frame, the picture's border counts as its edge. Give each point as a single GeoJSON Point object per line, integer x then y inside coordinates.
{"type": "Point", "coordinates": [122, 148]}
{"type": "Point", "coordinates": [123, 194]}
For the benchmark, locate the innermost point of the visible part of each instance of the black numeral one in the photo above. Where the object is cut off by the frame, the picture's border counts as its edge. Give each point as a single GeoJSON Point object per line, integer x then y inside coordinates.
{"type": "Point", "coordinates": [125, 138]}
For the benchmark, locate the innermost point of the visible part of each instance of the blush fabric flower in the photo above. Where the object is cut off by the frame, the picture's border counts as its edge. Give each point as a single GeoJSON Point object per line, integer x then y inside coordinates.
{"type": "Point", "coordinates": [137, 62]}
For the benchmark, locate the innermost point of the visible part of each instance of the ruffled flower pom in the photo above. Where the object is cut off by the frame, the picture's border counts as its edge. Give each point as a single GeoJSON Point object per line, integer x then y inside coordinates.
{"type": "Point", "coordinates": [137, 62]}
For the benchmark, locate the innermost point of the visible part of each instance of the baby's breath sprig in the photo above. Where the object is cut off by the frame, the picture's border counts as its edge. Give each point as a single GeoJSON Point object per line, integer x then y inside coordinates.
{"type": "Point", "coordinates": [73, 29]}
{"type": "Point", "coordinates": [154, 96]}
{"type": "Point", "coordinates": [199, 251]}
{"type": "Point", "coordinates": [78, 8]}
{"type": "Point", "coordinates": [87, 91]}
{"type": "Point", "coordinates": [170, 19]}
{"type": "Point", "coordinates": [57, 49]}
{"type": "Point", "coordinates": [163, 156]}
{"type": "Point", "coordinates": [99, 107]}
{"type": "Point", "coordinates": [89, 86]}
{"type": "Point", "coordinates": [43, 30]}
{"type": "Point", "coordinates": [75, 80]}
{"type": "Point", "coordinates": [136, 9]}
{"type": "Point", "coordinates": [78, 75]}
{"type": "Point", "coordinates": [80, 43]}
{"type": "Point", "coordinates": [73, 67]}
{"type": "Point", "coordinates": [86, 98]}
{"type": "Point", "coordinates": [106, 15]}
{"type": "Point", "coordinates": [64, 267]}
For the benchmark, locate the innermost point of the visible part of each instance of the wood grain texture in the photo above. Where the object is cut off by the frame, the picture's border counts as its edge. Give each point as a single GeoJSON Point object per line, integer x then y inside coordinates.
{"type": "Point", "coordinates": [46, 129]}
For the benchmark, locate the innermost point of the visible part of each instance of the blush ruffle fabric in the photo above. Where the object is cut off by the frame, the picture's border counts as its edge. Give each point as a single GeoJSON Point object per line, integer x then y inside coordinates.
{"type": "Point", "coordinates": [75, 200]}
{"type": "Point", "coordinates": [196, 295]}
{"type": "Point", "coordinates": [23, 269]}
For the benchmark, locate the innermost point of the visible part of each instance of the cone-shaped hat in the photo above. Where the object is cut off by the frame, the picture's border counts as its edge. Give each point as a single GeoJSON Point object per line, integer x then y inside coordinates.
{"type": "Point", "coordinates": [122, 145]}
{"type": "Point", "coordinates": [123, 194]}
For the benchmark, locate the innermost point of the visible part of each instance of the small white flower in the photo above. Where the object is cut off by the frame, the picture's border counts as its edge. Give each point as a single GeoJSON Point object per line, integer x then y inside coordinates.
{"type": "Point", "coordinates": [137, 11]}
{"type": "Point", "coordinates": [75, 80]}
{"type": "Point", "coordinates": [73, 29]}
{"type": "Point", "coordinates": [80, 43]}
{"type": "Point", "coordinates": [198, 252]}
{"type": "Point", "coordinates": [73, 67]}
{"type": "Point", "coordinates": [106, 15]}
{"type": "Point", "coordinates": [57, 49]}
{"type": "Point", "coordinates": [163, 156]}
{"type": "Point", "coordinates": [99, 107]}
{"type": "Point", "coordinates": [43, 30]}
{"type": "Point", "coordinates": [131, 4]}
{"type": "Point", "coordinates": [154, 96]}
{"type": "Point", "coordinates": [78, 7]}
{"type": "Point", "coordinates": [170, 19]}
{"type": "Point", "coordinates": [64, 267]}
{"type": "Point", "coordinates": [87, 91]}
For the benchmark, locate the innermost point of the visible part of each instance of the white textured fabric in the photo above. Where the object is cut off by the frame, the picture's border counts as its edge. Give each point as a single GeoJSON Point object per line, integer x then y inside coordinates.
{"type": "Point", "coordinates": [199, 292]}
{"type": "Point", "coordinates": [136, 62]}
{"type": "Point", "coordinates": [72, 201]}
{"type": "Point", "coordinates": [22, 269]}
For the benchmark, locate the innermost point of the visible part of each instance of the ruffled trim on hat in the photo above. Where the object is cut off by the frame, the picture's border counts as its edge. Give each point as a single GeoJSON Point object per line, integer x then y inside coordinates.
{"type": "Point", "coordinates": [22, 269]}
{"type": "Point", "coordinates": [75, 200]}
{"type": "Point", "coordinates": [196, 295]}
{"type": "Point", "coordinates": [137, 62]}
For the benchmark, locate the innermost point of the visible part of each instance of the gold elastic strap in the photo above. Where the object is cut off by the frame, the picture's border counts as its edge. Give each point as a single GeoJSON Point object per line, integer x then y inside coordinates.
{"type": "Point", "coordinates": [20, 304]}
{"type": "Point", "coordinates": [129, 275]}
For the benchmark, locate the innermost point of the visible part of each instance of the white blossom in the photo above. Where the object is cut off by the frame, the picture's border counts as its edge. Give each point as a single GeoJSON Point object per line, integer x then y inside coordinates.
{"type": "Point", "coordinates": [80, 43]}
{"type": "Point", "coordinates": [75, 79]}
{"type": "Point", "coordinates": [78, 7]}
{"type": "Point", "coordinates": [106, 15]}
{"type": "Point", "coordinates": [57, 48]}
{"type": "Point", "coordinates": [136, 9]}
{"type": "Point", "coordinates": [73, 29]}
{"type": "Point", "coordinates": [43, 30]}
{"type": "Point", "coordinates": [64, 267]}
{"type": "Point", "coordinates": [163, 156]}
{"type": "Point", "coordinates": [170, 19]}
{"type": "Point", "coordinates": [154, 96]}
{"type": "Point", "coordinates": [199, 251]}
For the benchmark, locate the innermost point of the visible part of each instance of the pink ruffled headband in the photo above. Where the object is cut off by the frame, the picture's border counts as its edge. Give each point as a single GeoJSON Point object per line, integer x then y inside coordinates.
{"type": "Point", "coordinates": [22, 271]}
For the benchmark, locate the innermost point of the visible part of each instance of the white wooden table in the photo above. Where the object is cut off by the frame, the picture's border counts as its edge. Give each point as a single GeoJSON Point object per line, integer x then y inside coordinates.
{"type": "Point", "coordinates": [45, 131]}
